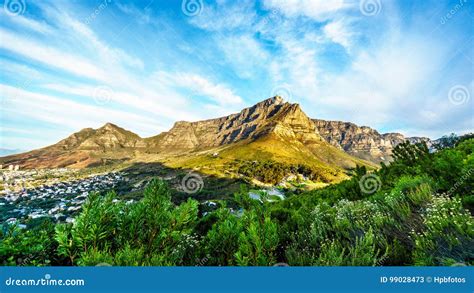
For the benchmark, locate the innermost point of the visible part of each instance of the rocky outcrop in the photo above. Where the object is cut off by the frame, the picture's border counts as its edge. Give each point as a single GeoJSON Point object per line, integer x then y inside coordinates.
{"type": "Point", "coordinates": [362, 141]}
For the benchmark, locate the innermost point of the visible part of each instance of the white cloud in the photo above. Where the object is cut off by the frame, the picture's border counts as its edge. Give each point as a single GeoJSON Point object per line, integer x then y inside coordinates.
{"type": "Point", "coordinates": [22, 72]}
{"type": "Point", "coordinates": [49, 56]}
{"type": "Point", "coordinates": [297, 67]}
{"type": "Point", "coordinates": [31, 24]}
{"type": "Point", "coordinates": [394, 83]}
{"type": "Point", "coordinates": [226, 15]}
{"type": "Point", "coordinates": [319, 10]}
{"type": "Point", "coordinates": [147, 104]}
{"type": "Point", "coordinates": [69, 27]}
{"type": "Point", "coordinates": [142, 15]}
{"type": "Point", "coordinates": [59, 110]}
{"type": "Point", "coordinates": [244, 54]}
{"type": "Point", "coordinates": [89, 38]}
{"type": "Point", "coordinates": [338, 32]}
{"type": "Point", "coordinates": [198, 85]}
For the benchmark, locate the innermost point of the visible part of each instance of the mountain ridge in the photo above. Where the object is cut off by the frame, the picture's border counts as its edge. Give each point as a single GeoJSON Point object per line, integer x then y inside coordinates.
{"type": "Point", "coordinates": [341, 145]}
{"type": "Point", "coordinates": [362, 141]}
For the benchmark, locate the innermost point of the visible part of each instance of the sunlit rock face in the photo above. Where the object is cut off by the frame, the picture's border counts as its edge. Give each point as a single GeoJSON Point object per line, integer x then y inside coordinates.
{"type": "Point", "coordinates": [362, 141]}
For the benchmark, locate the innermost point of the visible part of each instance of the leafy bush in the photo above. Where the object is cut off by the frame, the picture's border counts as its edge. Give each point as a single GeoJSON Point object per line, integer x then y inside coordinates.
{"type": "Point", "coordinates": [32, 247]}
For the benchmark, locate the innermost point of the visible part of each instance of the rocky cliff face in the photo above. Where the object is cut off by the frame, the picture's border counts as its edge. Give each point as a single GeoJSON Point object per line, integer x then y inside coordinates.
{"type": "Point", "coordinates": [362, 141]}
{"type": "Point", "coordinates": [269, 116]}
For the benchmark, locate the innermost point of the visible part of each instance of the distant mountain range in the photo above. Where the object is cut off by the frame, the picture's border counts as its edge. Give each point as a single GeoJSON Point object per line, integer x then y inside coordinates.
{"type": "Point", "coordinates": [272, 130]}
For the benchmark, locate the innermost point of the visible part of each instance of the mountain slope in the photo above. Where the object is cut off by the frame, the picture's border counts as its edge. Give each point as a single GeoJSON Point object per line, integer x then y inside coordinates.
{"type": "Point", "coordinates": [85, 148]}
{"type": "Point", "coordinates": [269, 131]}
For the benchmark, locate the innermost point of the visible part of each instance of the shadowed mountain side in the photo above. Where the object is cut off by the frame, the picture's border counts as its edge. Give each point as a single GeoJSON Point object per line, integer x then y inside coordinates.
{"type": "Point", "coordinates": [185, 183]}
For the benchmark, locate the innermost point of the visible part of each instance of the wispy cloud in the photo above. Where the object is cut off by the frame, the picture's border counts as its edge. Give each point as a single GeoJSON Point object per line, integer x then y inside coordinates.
{"type": "Point", "coordinates": [339, 32]}
{"type": "Point", "coordinates": [27, 23]}
{"type": "Point", "coordinates": [318, 10]}
{"type": "Point", "coordinates": [50, 56]}
{"type": "Point", "coordinates": [226, 15]}
{"type": "Point", "coordinates": [58, 111]}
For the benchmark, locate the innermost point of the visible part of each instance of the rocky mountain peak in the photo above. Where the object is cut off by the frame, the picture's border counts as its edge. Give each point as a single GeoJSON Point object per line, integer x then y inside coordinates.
{"type": "Point", "coordinates": [109, 136]}
{"type": "Point", "coordinates": [272, 115]}
{"type": "Point", "coordinates": [110, 126]}
{"type": "Point", "coordinates": [276, 100]}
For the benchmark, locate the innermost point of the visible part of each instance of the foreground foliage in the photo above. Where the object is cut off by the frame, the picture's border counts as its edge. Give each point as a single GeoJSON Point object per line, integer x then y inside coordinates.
{"type": "Point", "coordinates": [419, 214]}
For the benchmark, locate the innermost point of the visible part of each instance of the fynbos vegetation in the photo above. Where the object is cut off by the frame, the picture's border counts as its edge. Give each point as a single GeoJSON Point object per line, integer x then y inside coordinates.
{"type": "Point", "coordinates": [415, 217]}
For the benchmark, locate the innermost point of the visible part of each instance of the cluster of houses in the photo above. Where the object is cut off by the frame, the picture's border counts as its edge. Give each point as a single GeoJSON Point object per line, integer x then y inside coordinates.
{"type": "Point", "coordinates": [59, 201]}
{"type": "Point", "coordinates": [13, 179]}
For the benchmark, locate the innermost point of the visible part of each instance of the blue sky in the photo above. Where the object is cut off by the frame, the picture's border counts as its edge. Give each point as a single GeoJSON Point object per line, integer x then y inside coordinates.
{"type": "Point", "coordinates": [401, 66]}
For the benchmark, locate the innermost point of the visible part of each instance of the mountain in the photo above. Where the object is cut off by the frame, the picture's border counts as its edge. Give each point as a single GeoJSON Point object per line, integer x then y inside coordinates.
{"type": "Point", "coordinates": [269, 116]}
{"type": "Point", "coordinates": [85, 148]}
{"type": "Point", "coordinates": [362, 141]}
{"type": "Point", "coordinates": [272, 130]}
{"type": "Point", "coordinates": [106, 138]}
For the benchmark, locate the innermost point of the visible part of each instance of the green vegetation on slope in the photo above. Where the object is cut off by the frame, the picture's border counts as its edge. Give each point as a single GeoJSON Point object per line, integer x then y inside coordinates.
{"type": "Point", "coordinates": [419, 213]}
{"type": "Point", "coordinates": [323, 162]}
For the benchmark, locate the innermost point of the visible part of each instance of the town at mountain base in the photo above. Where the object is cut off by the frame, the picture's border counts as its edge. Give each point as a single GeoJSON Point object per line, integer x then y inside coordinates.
{"type": "Point", "coordinates": [272, 130]}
